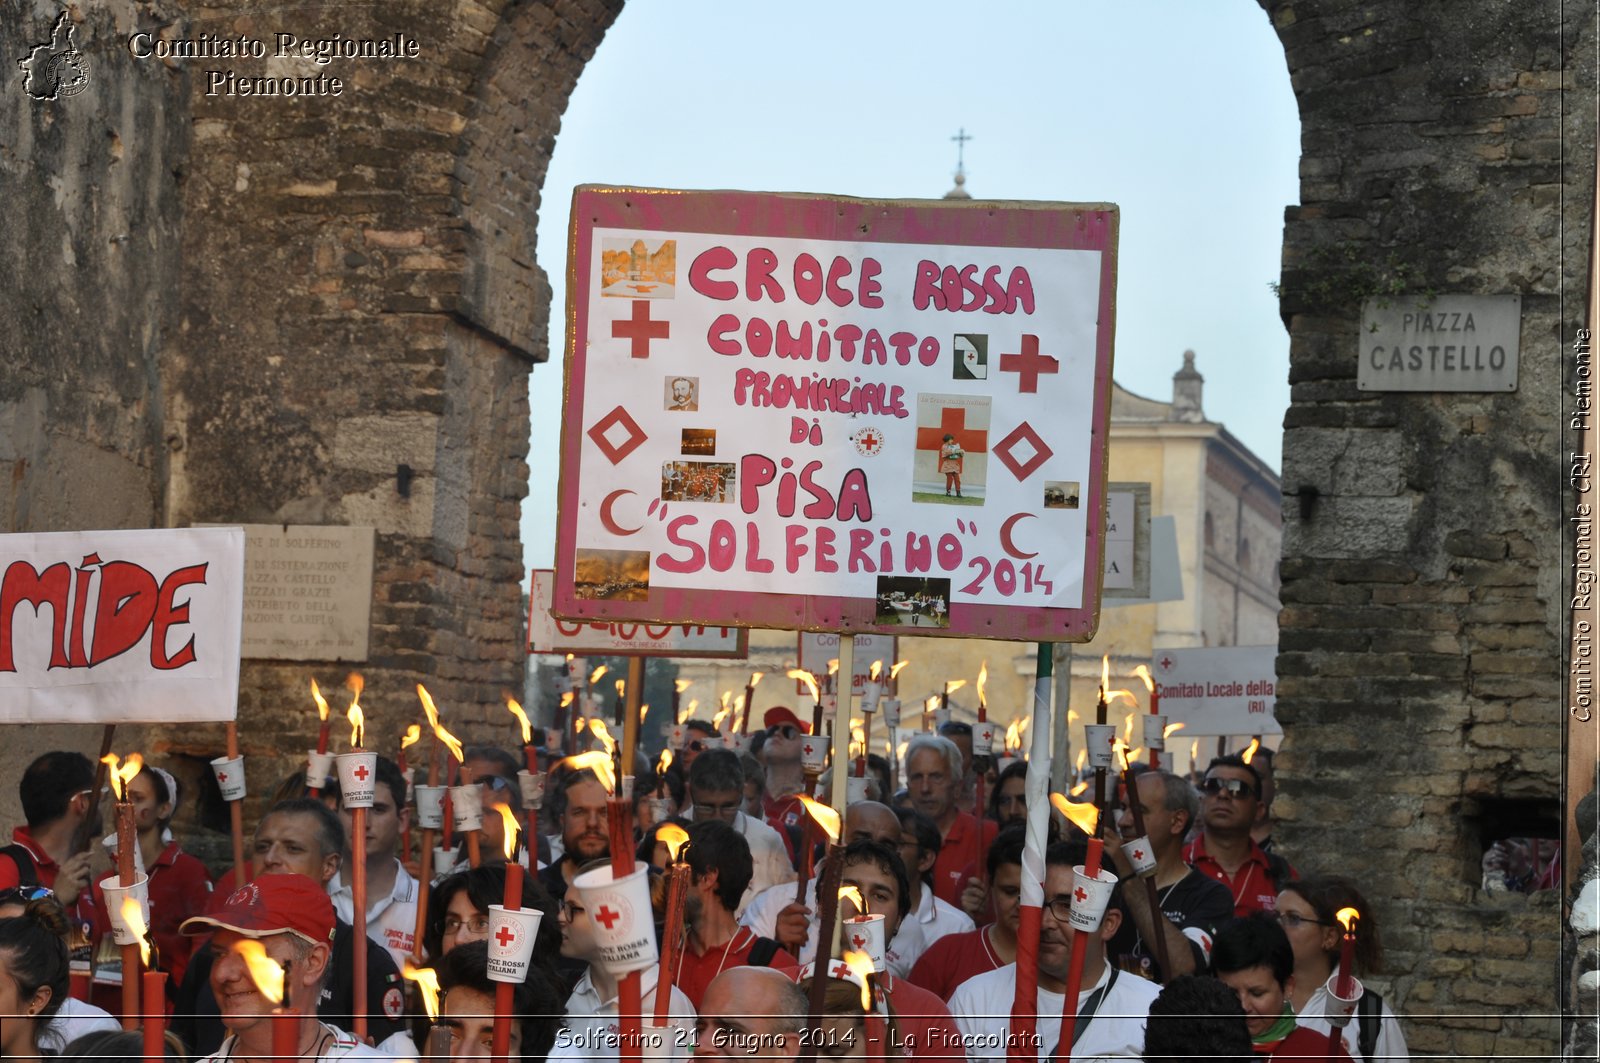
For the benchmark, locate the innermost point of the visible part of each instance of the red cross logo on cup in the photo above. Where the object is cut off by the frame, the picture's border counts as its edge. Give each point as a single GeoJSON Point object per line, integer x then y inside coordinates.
{"type": "Point", "coordinates": [361, 772]}
{"type": "Point", "coordinates": [858, 941]}
{"type": "Point", "coordinates": [505, 935]}
{"type": "Point", "coordinates": [809, 749]}
{"type": "Point", "coordinates": [1080, 895]}
{"type": "Point", "coordinates": [1138, 854]}
{"type": "Point", "coordinates": [222, 776]}
{"type": "Point", "coordinates": [607, 917]}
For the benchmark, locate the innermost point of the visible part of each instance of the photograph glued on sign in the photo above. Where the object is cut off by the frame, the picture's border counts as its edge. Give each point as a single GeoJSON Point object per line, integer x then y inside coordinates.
{"type": "Point", "coordinates": [951, 462]}
{"type": "Point", "coordinates": [698, 481]}
{"type": "Point", "coordinates": [970, 356]}
{"type": "Point", "coordinates": [913, 601]}
{"type": "Point", "coordinates": [638, 268]}
{"type": "Point", "coordinates": [619, 575]}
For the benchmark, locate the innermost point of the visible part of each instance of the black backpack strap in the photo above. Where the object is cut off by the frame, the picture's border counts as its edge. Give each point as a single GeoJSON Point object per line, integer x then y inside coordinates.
{"type": "Point", "coordinates": [27, 872]}
{"type": "Point", "coordinates": [1369, 1015]}
{"type": "Point", "coordinates": [762, 951]}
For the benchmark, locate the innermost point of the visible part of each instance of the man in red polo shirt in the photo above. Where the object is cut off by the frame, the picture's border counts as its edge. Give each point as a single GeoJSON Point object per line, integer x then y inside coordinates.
{"type": "Point", "coordinates": [933, 778]}
{"type": "Point", "coordinates": [55, 793]}
{"type": "Point", "coordinates": [780, 755]}
{"type": "Point", "coordinates": [1229, 797]}
{"type": "Point", "coordinates": [719, 871]}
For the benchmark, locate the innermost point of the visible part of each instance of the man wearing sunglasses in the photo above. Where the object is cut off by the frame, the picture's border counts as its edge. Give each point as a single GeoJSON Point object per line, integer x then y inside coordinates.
{"type": "Point", "coordinates": [55, 791]}
{"type": "Point", "coordinates": [780, 755]}
{"type": "Point", "coordinates": [1229, 798]}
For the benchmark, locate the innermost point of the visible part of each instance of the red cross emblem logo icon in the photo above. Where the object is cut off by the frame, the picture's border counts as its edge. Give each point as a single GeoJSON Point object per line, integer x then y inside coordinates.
{"type": "Point", "coordinates": [361, 772]}
{"type": "Point", "coordinates": [858, 941]}
{"type": "Point", "coordinates": [1079, 895]}
{"type": "Point", "coordinates": [222, 776]}
{"type": "Point", "coordinates": [505, 935]}
{"type": "Point", "coordinates": [639, 330]}
{"type": "Point", "coordinates": [1138, 854]}
{"type": "Point", "coordinates": [606, 917]}
{"type": "Point", "coordinates": [810, 749]}
{"type": "Point", "coordinates": [1166, 664]}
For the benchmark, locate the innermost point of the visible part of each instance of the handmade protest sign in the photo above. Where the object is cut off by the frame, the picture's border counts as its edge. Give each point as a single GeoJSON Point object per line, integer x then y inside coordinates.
{"type": "Point", "coordinates": [121, 626]}
{"type": "Point", "coordinates": [546, 634]}
{"type": "Point", "coordinates": [821, 413]}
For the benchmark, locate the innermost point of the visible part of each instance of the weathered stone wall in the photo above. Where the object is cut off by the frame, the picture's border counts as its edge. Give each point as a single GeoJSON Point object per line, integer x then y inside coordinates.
{"type": "Point", "coordinates": [1420, 677]}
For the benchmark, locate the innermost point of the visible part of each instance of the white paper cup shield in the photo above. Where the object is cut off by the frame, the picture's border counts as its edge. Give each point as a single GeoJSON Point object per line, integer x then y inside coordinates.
{"type": "Point", "coordinates": [890, 707]}
{"type": "Point", "coordinates": [855, 789]}
{"type": "Point", "coordinates": [443, 861]}
{"type": "Point", "coordinates": [230, 777]}
{"type": "Point", "coordinates": [864, 933]}
{"type": "Point", "coordinates": [466, 807]}
{"type": "Point", "coordinates": [532, 787]}
{"type": "Point", "coordinates": [871, 693]}
{"type": "Point", "coordinates": [619, 911]}
{"type": "Point", "coordinates": [430, 807]}
{"type": "Point", "coordinates": [675, 737]}
{"type": "Point", "coordinates": [1155, 728]}
{"type": "Point", "coordinates": [553, 739]}
{"type": "Point", "coordinates": [813, 753]}
{"type": "Point", "coordinates": [940, 718]}
{"type": "Point", "coordinates": [1098, 739]}
{"type": "Point", "coordinates": [318, 767]}
{"type": "Point", "coordinates": [1140, 855]}
{"type": "Point", "coordinates": [1090, 896]}
{"type": "Point", "coordinates": [1002, 763]}
{"type": "Point", "coordinates": [1340, 1009]}
{"type": "Point", "coordinates": [511, 935]}
{"type": "Point", "coordinates": [983, 739]}
{"type": "Point", "coordinates": [830, 705]}
{"type": "Point", "coordinates": [739, 743]}
{"type": "Point", "coordinates": [358, 778]}
{"type": "Point", "coordinates": [115, 895]}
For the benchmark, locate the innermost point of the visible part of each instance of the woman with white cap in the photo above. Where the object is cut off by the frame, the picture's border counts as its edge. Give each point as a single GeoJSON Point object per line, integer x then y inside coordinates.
{"type": "Point", "coordinates": [180, 886]}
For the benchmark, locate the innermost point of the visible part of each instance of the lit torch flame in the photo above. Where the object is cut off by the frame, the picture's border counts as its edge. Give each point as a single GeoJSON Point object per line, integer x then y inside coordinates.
{"type": "Point", "coordinates": [1014, 734]}
{"type": "Point", "coordinates": [568, 698]}
{"type": "Point", "coordinates": [427, 980]}
{"type": "Point", "coordinates": [861, 965]}
{"type": "Point", "coordinates": [895, 671]}
{"type": "Point", "coordinates": [755, 678]}
{"type": "Point", "coordinates": [452, 743]}
{"type": "Point", "coordinates": [412, 736]}
{"type": "Point", "coordinates": [823, 816]}
{"type": "Point", "coordinates": [1127, 729]}
{"type": "Point", "coordinates": [1249, 754]}
{"type": "Point", "coordinates": [722, 714]}
{"type": "Point", "coordinates": [597, 762]}
{"type": "Point", "coordinates": [674, 838]}
{"type": "Point", "coordinates": [1082, 787]}
{"type": "Point", "coordinates": [1194, 751]}
{"type": "Point", "coordinates": [665, 762]}
{"type": "Point", "coordinates": [622, 688]}
{"type": "Point", "coordinates": [1083, 758]}
{"type": "Point", "coordinates": [1112, 696]}
{"type": "Point", "coordinates": [1144, 673]}
{"type": "Point", "coordinates": [983, 680]}
{"type": "Point", "coordinates": [133, 916]}
{"type": "Point", "coordinates": [1171, 729]}
{"type": "Point", "coordinates": [853, 895]}
{"type": "Point", "coordinates": [265, 971]}
{"type": "Point", "coordinates": [644, 710]}
{"type": "Point", "coordinates": [597, 727]}
{"type": "Point", "coordinates": [358, 719]}
{"type": "Point", "coordinates": [688, 710]}
{"type": "Point", "coordinates": [1105, 675]}
{"type": "Point", "coordinates": [509, 818]}
{"type": "Point", "coordinates": [1085, 817]}
{"type": "Point", "coordinates": [594, 676]}
{"type": "Point", "coordinates": [121, 776]}
{"type": "Point", "coordinates": [1348, 917]}
{"type": "Point", "coordinates": [428, 708]}
{"type": "Point", "coordinates": [953, 685]}
{"type": "Point", "coordinates": [322, 702]}
{"type": "Point", "coordinates": [833, 666]}
{"type": "Point", "coordinates": [875, 670]}
{"type": "Point", "coordinates": [809, 680]}
{"type": "Point", "coordinates": [522, 719]}
{"type": "Point", "coordinates": [680, 685]}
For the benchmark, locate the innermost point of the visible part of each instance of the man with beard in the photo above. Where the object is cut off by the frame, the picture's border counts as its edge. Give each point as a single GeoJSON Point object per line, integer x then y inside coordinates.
{"type": "Point", "coordinates": [719, 870]}
{"type": "Point", "coordinates": [581, 812]}
{"type": "Point", "coordinates": [1111, 1005]}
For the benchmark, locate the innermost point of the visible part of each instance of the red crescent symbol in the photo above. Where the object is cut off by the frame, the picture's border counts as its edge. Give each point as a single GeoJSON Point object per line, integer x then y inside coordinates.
{"type": "Point", "coordinates": [608, 520]}
{"type": "Point", "coordinates": [1005, 537]}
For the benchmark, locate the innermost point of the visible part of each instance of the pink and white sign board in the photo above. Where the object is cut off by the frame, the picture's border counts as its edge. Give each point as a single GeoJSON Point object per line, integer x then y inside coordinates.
{"type": "Point", "coordinates": [817, 648]}
{"type": "Point", "coordinates": [832, 414]}
{"type": "Point", "coordinates": [546, 634]}
{"type": "Point", "coordinates": [1218, 690]}
{"type": "Point", "coordinates": [121, 626]}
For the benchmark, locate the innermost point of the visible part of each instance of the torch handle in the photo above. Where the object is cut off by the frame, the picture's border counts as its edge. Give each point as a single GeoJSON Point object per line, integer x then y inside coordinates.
{"type": "Point", "coordinates": [358, 912]}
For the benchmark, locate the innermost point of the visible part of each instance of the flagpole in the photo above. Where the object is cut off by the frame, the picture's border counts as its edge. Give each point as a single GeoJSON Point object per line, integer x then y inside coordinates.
{"type": "Point", "coordinates": [1022, 1046]}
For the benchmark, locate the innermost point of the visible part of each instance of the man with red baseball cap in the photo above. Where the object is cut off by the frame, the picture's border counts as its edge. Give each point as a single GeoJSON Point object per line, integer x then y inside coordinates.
{"type": "Point", "coordinates": [292, 917]}
{"type": "Point", "coordinates": [780, 754]}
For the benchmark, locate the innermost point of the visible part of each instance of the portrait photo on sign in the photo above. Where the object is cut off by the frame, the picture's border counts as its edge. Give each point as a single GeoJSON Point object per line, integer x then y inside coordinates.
{"type": "Point", "coordinates": [1061, 494]}
{"type": "Point", "coordinates": [951, 462]}
{"type": "Point", "coordinates": [618, 575]}
{"type": "Point", "coordinates": [698, 481]}
{"type": "Point", "coordinates": [638, 268]}
{"type": "Point", "coordinates": [682, 394]}
{"type": "Point", "coordinates": [699, 441]}
{"type": "Point", "coordinates": [970, 353]}
{"type": "Point", "coordinates": [913, 601]}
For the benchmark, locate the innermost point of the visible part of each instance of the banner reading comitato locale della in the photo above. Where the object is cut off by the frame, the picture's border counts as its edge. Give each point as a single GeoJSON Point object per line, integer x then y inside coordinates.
{"type": "Point", "coordinates": [121, 626]}
{"type": "Point", "coordinates": [821, 413]}
{"type": "Point", "coordinates": [1219, 690]}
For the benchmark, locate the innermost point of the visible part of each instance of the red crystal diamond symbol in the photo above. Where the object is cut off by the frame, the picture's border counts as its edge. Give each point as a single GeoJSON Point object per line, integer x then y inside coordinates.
{"type": "Point", "coordinates": [632, 435]}
{"type": "Point", "coordinates": [1023, 433]}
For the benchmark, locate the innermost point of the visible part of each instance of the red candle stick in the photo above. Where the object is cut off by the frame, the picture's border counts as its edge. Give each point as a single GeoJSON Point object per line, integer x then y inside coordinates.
{"type": "Point", "coordinates": [1080, 942]}
{"type": "Point", "coordinates": [672, 930]}
{"type": "Point", "coordinates": [1155, 707]}
{"type": "Point", "coordinates": [236, 814]}
{"type": "Point", "coordinates": [512, 901]}
{"type": "Point", "coordinates": [286, 1033]}
{"type": "Point", "coordinates": [126, 839]}
{"type": "Point", "coordinates": [155, 1020]}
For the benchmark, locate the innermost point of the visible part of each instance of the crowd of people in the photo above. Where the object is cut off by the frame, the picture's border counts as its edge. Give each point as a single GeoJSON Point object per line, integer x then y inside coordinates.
{"type": "Point", "coordinates": [1222, 951]}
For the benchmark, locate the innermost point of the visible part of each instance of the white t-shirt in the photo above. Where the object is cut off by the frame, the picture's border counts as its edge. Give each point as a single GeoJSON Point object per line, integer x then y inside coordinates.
{"type": "Point", "coordinates": [932, 920]}
{"type": "Point", "coordinates": [73, 1020]}
{"type": "Point", "coordinates": [1391, 1041]}
{"type": "Point", "coordinates": [334, 1045]}
{"type": "Point", "coordinates": [591, 1031]}
{"type": "Point", "coordinates": [981, 1007]}
{"type": "Point", "coordinates": [391, 919]}
{"type": "Point", "coordinates": [761, 915]}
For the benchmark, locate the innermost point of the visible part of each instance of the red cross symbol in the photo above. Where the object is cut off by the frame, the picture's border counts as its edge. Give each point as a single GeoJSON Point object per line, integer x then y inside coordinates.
{"type": "Point", "coordinates": [1166, 663]}
{"type": "Point", "coordinates": [1138, 854]}
{"type": "Point", "coordinates": [841, 970]}
{"type": "Point", "coordinates": [505, 935]}
{"type": "Point", "coordinates": [607, 917]}
{"type": "Point", "coordinates": [858, 941]}
{"type": "Point", "coordinates": [1080, 895]}
{"type": "Point", "coordinates": [953, 421]}
{"type": "Point", "coordinates": [1028, 364]}
{"type": "Point", "coordinates": [361, 772]}
{"type": "Point", "coordinates": [222, 776]}
{"type": "Point", "coordinates": [809, 749]}
{"type": "Point", "coordinates": [639, 330]}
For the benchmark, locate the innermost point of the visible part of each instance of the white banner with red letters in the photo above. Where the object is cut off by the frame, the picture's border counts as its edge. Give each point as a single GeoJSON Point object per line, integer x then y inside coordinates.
{"type": "Point", "coordinates": [821, 413]}
{"type": "Point", "coordinates": [121, 626]}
